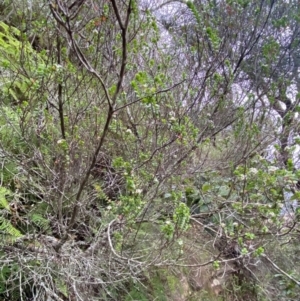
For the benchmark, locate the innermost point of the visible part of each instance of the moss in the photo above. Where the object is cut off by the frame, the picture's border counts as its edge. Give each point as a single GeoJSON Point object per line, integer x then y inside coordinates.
{"type": "Point", "coordinates": [9, 43]}
{"type": "Point", "coordinates": [137, 293]}
{"type": "Point", "coordinates": [19, 65]}
{"type": "Point", "coordinates": [158, 287]}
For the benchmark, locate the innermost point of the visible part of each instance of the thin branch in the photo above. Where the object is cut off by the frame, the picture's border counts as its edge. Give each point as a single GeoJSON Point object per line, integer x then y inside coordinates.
{"type": "Point", "coordinates": [78, 51]}
{"type": "Point", "coordinates": [149, 95]}
{"type": "Point", "coordinates": [60, 90]}
{"type": "Point", "coordinates": [116, 10]}
{"type": "Point", "coordinates": [124, 45]}
{"type": "Point", "coordinates": [276, 267]}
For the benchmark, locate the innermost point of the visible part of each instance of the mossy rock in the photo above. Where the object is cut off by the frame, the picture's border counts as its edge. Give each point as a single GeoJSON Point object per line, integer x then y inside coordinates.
{"type": "Point", "coordinates": [15, 48]}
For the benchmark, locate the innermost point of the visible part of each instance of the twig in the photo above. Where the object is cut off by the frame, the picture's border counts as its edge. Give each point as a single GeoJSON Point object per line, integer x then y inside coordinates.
{"type": "Point", "coordinates": [276, 267]}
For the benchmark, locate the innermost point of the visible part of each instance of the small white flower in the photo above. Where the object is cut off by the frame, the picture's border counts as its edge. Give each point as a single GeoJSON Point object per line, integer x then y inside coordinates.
{"type": "Point", "coordinates": [58, 66]}
{"type": "Point", "coordinates": [138, 191]}
{"type": "Point", "coordinates": [242, 177]}
{"type": "Point", "coordinates": [272, 168]}
{"type": "Point", "coordinates": [180, 242]}
{"type": "Point", "coordinates": [253, 171]}
{"type": "Point", "coordinates": [211, 123]}
{"type": "Point", "coordinates": [215, 282]}
{"type": "Point", "coordinates": [155, 180]}
{"type": "Point", "coordinates": [128, 131]}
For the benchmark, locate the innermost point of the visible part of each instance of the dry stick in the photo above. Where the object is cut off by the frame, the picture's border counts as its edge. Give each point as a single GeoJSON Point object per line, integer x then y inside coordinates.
{"type": "Point", "coordinates": [217, 258]}
{"type": "Point", "coordinates": [276, 267]}
{"type": "Point", "coordinates": [129, 260]}
{"type": "Point", "coordinates": [50, 292]}
{"type": "Point", "coordinates": [110, 242]}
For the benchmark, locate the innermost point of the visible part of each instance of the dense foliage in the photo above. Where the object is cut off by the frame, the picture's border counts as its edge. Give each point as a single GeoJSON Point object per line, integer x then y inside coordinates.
{"type": "Point", "coordinates": [149, 150]}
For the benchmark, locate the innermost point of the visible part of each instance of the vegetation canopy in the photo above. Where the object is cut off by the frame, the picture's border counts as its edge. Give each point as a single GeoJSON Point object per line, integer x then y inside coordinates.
{"type": "Point", "coordinates": [149, 150]}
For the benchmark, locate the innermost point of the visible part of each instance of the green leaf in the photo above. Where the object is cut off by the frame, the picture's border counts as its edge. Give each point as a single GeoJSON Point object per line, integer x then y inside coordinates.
{"type": "Point", "coordinates": [249, 235]}
{"type": "Point", "coordinates": [224, 191]}
{"type": "Point", "coordinates": [216, 264]}
{"type": "Point", "coordinates": [206, 187]}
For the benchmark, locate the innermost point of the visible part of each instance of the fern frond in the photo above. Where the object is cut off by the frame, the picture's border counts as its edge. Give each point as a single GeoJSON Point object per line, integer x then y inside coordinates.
{"type": "Point", "coordinates": [38, 220]}
{"type": "Point", "coordinates": [101, 194]}
{"type": "Point", "coordinates": [3, 202]}
{"type": "Point", "coordinates": [9, 232]}
{"type": "Point", "coordinates": [62, 287]}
